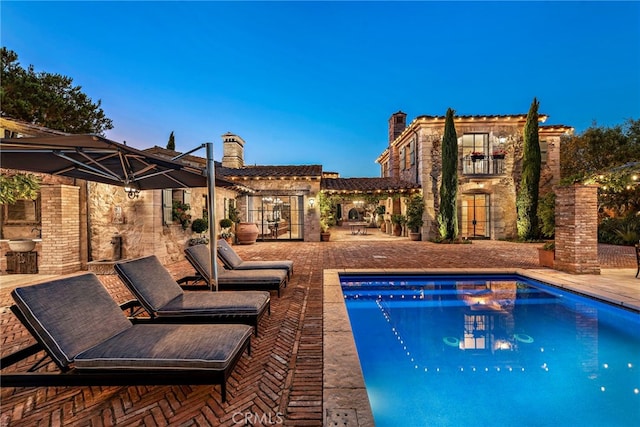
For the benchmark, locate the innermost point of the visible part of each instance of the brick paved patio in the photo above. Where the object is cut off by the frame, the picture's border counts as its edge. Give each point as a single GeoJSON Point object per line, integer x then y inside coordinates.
{"type": "Point", "coordinates": [281, 382]}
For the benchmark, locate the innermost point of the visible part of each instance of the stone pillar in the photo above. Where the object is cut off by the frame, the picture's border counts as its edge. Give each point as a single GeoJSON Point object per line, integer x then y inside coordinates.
{"type": "Point", "coordinates": [577, 229]}
{"type": "Point", "coordinates": [60, 229]}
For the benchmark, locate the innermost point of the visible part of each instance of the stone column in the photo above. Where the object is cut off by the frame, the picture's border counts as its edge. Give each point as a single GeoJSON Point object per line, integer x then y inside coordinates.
{"type": "Point", "coordinates": [577, 229]}
{"type": "Point", "coordinates": [60, 229]}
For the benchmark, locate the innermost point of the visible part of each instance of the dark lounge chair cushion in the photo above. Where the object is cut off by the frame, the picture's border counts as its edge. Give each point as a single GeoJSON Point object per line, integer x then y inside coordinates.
{"type": "Point", "coordinates": [149, 281]}
{"type": "Point", "coordinates": [232, 260]}
{"type": "Point", "coordinates": [227, 255]}
{"type": "Point", "coordinates": [71, 315]}
{"type": "Point", "coordinates": [199, 256]}
{"type": "Point", "coordinates": [207, 303]}
{"type": "Point", "coordinates": [167, 347]}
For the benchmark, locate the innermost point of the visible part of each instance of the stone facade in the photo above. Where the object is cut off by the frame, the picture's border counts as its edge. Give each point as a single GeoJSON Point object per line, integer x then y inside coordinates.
{"type": "Point", "coordinates": [487, 185]}
{"type": "Point", "coordinates": [577, 229]}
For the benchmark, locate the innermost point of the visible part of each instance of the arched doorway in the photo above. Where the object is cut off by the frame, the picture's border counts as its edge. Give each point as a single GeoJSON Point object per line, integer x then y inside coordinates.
{"type": "Point", "coordinates": [476, 219]}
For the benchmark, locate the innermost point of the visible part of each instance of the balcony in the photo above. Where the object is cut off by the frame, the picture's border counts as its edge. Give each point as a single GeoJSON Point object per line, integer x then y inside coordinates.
{"type": "Point", "coordinates": [483, 165]}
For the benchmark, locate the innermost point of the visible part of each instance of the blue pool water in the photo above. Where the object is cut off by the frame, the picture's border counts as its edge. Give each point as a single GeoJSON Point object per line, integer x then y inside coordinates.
{"type": "Point", "coordinates": [492, 350]}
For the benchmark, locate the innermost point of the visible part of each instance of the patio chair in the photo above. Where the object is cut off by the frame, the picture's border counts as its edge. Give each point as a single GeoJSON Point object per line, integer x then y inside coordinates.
{"type": "Point", "coordinates": [232, 261]}
{"type": "Point", "coordinates": [165, 301]}
{"type": "Point", "coordinates": [264, 280]}
{"type": "Point", "coordinates": [85, 333]}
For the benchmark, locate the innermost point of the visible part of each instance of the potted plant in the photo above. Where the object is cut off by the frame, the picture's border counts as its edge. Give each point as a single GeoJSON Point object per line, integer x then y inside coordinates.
{"type": "Point", "coordinates": [499, 153]}
{"type": "Point", "coordinates": [225, 229]}
{"type": "Point", "coordinates": [546, 220]}
{"type": "Point", "coordinates": [200, 225]}
{"type": "Point", "coordinates": [325, 234]}
{"type": "Point", "coordinates": [327, 216]}
{"type": "Point", "coordinates": [398, 221]}
{"type": "Point", "coordinates": [477, 155]}
{"type": "Point", "coordinates": [180, 213]}
{"type": "Point", "coordinates": [415, 210]}
{"type": "Point", "coordinates": [380, 217]}
{"type": "Point", "coordinates": [547, 254]}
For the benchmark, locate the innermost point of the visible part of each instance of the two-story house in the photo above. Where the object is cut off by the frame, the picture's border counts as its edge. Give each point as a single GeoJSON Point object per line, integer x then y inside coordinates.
{"type": "Point", "coordinates": [489, 167]}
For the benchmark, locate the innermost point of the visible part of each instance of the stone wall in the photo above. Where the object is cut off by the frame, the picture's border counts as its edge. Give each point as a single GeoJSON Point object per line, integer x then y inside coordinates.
{"type": "Point", "coordinates": [577, 229]}
{"type": "Point", "coordinates": [140, 222]}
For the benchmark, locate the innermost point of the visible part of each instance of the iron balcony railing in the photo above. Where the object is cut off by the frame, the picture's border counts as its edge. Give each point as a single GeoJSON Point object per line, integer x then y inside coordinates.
{"type": "Point", "coordinates": [483, 165]}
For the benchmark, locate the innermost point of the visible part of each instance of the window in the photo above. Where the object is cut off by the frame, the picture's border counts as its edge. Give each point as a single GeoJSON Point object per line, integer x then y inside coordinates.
{"type": "Point", "coordinates": [407, 157]}
{"type": "Point", "coordinates": [544, 148]}
{"type": "Point", "coordinates": [22, 212]}
{"type": "Point", "coordinates": [168, 197]}
{"type": "Point", "coordinates": [475, 143]}
{"type": "Point", "coordinates": [412, 152]}
{"type": "Point", "coordinates": [403, 165]}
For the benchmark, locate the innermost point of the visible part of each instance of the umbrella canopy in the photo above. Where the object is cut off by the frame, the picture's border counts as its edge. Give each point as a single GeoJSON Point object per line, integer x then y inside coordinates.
{"type": "Point", "coordinates": [94, 158]}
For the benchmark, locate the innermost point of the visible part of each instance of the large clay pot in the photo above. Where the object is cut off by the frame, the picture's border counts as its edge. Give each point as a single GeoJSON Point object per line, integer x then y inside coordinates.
{"type": "Point", "coordinates": [246, 233]}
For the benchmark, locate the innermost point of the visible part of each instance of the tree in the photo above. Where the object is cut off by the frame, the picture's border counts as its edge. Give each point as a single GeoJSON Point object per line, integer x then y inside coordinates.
{"type": "Point", "coordinates": [415, 210]}
{"type": "Point", "coordinates": [47, 99]}
{"type": "Point", "coordinates": [448, 215]}
{"type": "Point", "coordinates": [171, 145]}
{"type": "Point", "coordinates": [18, 186]}
{"type": "Point", "coordinates": [609, 156]}
{"type": "Point", "coordinates": [528, 192]}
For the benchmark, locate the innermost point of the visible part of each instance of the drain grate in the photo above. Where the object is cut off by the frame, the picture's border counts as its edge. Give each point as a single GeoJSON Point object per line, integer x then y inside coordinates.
{"type": "Point", "coordinates": [341, 417]}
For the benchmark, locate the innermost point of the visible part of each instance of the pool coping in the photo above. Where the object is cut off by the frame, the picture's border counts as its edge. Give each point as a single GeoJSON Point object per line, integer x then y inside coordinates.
{"type": "Point", "coordinates": [345, 398]}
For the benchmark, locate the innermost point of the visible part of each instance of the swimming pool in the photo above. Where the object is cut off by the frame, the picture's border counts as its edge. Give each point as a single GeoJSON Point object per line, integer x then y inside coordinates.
{"type": "Point", "coordinates": [488, 350]}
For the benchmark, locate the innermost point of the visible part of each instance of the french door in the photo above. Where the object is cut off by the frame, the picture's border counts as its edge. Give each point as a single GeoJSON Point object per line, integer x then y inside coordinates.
{"type": "Point", "coordinates": [475, 216]}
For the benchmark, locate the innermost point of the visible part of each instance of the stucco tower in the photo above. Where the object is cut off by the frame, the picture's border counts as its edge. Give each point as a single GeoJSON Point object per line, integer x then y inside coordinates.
{"type": "Point", "coordinates": [232, 151]}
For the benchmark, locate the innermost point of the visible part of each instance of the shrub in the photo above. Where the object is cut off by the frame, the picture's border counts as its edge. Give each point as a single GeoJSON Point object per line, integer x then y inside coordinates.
{"type": "Point", "coordinates": [200, 225]}
{"type": "Point", "coordinates": [225, 223]}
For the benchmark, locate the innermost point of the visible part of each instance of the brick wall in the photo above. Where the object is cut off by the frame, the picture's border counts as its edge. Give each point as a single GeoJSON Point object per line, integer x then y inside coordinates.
{"type": "Point", "coordinates": [577, 229]}
{"type": "Point", "coordinates": [60, 229]}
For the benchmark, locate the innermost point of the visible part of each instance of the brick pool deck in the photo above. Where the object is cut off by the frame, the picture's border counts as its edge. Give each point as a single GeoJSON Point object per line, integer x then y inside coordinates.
{"type": "Point", "coordinates": [281, 383]}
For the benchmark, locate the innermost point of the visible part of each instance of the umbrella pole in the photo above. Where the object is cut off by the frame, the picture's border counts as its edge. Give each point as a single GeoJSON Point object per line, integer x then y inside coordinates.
{"type": "Point", "coordinates": [211, 200]}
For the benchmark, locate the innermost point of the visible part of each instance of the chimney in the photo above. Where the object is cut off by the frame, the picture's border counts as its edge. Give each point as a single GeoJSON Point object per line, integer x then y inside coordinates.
{"type": "Point", "coordinates": [397, 123]}
{"type": "Point", "coordinates": [232, 151]}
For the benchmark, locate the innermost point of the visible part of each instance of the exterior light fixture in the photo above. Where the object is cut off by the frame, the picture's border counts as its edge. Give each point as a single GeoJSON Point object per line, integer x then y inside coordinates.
{"type": "Point", "coordinates": [132, 190]}
{"type": "Point", "coordinates": [312, 202]}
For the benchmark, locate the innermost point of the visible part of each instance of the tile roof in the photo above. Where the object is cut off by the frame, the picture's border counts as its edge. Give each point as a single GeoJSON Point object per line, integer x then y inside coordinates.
{"type": "Point", "coordinates": [272, 171]}
{"type": "Point", "coordinates": [366, 185]}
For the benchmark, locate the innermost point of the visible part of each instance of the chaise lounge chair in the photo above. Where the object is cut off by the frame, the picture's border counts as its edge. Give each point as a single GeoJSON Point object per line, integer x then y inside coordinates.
{"type": "Point", "coordinates": [264, 280]}
{"type": "Point", "coordinates": [165, 301]}
{"type": "Point", "coordinates": [91, 341]}
{"type": "Point", "coordinates": [232, 260]}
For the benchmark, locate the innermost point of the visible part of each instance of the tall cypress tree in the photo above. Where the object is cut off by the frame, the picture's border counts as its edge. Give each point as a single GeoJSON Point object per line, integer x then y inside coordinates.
{"type": "Point", "coordinates": [171, 145]}
{"type": "Point", "coordinates": [527, 197]}
{"type": "Point", "coordinates": [448, 214]}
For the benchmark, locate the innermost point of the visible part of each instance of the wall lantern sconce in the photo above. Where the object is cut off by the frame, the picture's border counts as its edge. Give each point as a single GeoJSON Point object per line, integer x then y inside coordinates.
{"type": "Point", "coordinates": [132, 190]}
{"type": "Point", "coordinates": [312, 202]}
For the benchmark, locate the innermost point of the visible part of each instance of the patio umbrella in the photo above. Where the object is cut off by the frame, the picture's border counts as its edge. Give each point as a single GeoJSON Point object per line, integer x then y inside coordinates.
{"type": "Point", "coordinates": [95, 158]}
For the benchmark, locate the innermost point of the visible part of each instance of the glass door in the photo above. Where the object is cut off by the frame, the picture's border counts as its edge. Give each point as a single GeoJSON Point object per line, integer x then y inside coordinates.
{"type": "Point", "coordinates": [475, 216]}
{"type": "Point", "coordinates": [278, 217]}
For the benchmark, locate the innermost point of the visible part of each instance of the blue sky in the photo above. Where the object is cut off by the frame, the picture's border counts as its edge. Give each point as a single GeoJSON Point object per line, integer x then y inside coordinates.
{"type": "Point", "coordinates": [316, 82]}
